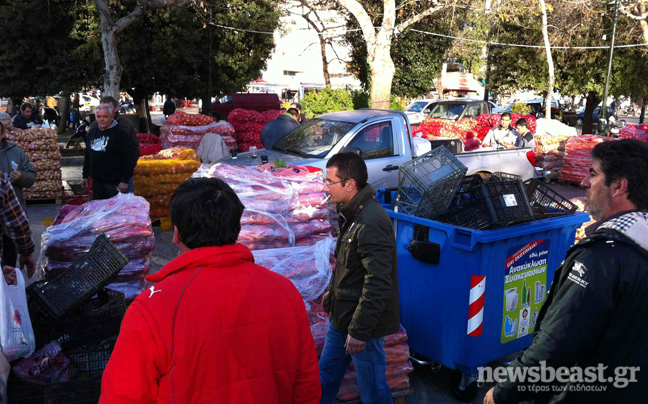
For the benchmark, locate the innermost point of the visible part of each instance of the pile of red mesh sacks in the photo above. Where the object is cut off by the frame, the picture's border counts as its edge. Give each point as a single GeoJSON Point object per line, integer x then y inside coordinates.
{"type": "Point", "coordinates": [42, 148]}
{"type": "Point", "coordinates": [464, 129]}
{"type": "Point", "coordinates": [279, 212]}
{"type": "Point", "coordinates": [149, 144]}
{"type": "Point", "coordinates": [635, 132]}
{"type": "Point", "coordinates": [310, 270]}
{"type": "Point", "coordinates": [124, 218]}
{"type": "Point", "coordinates": [577, 156]}
{"type": "Point", "coordinates": [248, 125]}
{"type": "Point", "coordinates": [187, 130]}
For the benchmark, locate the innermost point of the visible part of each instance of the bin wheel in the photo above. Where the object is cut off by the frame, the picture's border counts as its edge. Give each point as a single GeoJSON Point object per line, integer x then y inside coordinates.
{"type": "Point", "coordinates": [463, 386]}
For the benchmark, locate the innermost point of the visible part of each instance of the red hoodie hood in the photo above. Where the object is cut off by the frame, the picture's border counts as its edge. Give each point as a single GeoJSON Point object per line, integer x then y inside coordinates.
{"type": "Point", "coordinates": [225, 256]}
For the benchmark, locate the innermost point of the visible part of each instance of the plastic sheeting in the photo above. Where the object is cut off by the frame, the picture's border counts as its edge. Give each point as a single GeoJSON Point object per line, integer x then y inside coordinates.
{"type": "Point", "coordinates": [124, 218]}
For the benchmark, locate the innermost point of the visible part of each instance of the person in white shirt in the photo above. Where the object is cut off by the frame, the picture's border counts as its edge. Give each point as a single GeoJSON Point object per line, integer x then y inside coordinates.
{"type": "Point", "coordinates": [503, 136]}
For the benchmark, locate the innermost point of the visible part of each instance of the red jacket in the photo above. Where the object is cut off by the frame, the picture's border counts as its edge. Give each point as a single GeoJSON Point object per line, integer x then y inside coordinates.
{"type": "Point", "coordinates": [241, 336]}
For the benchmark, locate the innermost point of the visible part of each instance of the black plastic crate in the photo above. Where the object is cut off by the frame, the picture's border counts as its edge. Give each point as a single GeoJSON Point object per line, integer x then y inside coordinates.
{"type": "Point", "coordinates": [464, 196]}
{"type": "Point", "coordinates": [94, 320]}
{"type": "Point", "coordinates": [490, 205]}
{"type": "Point", "coordinates": [84, 278]}
{"type": "Point", "coordinates": [546, 202]}
{"type": "Point", "coordinates": [502, 176]}
{"type": "Point", "coordinates": [507, 202]}
{"type": "Point", "coordinates": [84, 388]}
{"type": "Point", "coordinates": [436, 174]}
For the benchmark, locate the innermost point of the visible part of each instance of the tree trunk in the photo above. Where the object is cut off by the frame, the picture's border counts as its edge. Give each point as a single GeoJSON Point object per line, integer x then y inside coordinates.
{"type": "Point", "coordinates": [644, 28]}
{"type": "Point", "coordinates": [642, 114]}
{"type": "Point", "coordinates": [552, 76]}
{"type": "Point", "coordinates": [382, 75]}
{"type": "Point", "coordinates": [64, 112]}
{"type": "Point", "coordinates": [325, 64]}
{"type": "Point", "coordinates": [112, 76]}
{"type": "Point", "coordinates": [592, 102]}
{"type": "Point", "coordinates": [143, 120]}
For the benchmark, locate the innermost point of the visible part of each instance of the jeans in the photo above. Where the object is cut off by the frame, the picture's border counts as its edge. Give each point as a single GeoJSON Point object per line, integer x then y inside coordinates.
{"type": "Point", "coordinates": [131, 190]}
{"type": "Point", "coordinates": [370, 366]}
{"type": "Point", "coordinates": [103, 191]}
{"type": "Point", "coordinates": [9, 253]}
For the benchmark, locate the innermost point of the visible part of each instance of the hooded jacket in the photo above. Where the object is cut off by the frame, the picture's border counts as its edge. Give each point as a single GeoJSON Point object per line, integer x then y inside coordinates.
{"type": "Point", "coordinates": [596, 313]}
{"type": "Point", "coordinates": [215, 328]}
{"type": "Point", "coordinates": [10, 152]}
{"type": "Point", "coordinates": [277, 129]}
{"type": "Point", "coordinates": [363, 294]}
{"type": "Point", "coordinates": [108, 155]}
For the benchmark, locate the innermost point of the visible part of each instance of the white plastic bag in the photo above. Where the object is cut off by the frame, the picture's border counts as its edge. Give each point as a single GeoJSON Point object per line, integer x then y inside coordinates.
{"type": "Point", "coordinates": [16, 333]}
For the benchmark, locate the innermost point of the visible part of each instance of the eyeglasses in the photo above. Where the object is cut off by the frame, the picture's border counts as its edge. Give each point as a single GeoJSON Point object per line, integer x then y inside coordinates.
{"type": "Point", "coordinates": [329, 183]}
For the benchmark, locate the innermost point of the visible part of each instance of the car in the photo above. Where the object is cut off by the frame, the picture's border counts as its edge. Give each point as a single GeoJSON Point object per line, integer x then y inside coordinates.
{"type": "Point", "coordinates": [580, 115]}
{"type": "Point", "coordinates": [538, 107]}
{"type": "Point", "coordinates": [458, 109]}
{"type": "Point", "coordinates": [254, 101]}
{"type": "Point", "coordinates": [383, 139]}
{"type": "Point", "coordinates": [495, 109]}
{"type": "Point", "coordinates": [418, 110]}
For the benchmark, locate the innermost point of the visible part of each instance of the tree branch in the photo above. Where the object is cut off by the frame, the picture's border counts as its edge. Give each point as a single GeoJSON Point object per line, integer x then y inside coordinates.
{"type": "Point", "coordinates": [360, 14]}
{"type": "Point", "coordinates": [104, 11]}
{"type": "Point", "coordinates": [418, 17]}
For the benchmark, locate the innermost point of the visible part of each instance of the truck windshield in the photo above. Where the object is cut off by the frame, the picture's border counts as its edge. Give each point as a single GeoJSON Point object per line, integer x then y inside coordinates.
{"type": "Point", "coordinates": [417, 106]}
{"type": "Point", "coordinates": [447, 111]}
{"type": "Point", "coordinates": [314, 138]}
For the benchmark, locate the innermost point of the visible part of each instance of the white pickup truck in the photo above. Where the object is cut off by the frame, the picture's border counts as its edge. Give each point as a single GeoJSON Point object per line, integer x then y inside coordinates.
{"type": "Point", "coordinates": [383, 139]}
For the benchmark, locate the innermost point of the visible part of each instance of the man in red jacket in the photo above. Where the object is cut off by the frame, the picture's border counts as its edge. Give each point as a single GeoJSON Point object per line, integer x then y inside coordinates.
{"type": "Point", "coordinates": [215, 327]}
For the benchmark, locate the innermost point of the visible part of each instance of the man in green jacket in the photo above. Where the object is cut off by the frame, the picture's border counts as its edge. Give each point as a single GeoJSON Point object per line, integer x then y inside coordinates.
{"type": "Point", "coordinates": [362, 299]}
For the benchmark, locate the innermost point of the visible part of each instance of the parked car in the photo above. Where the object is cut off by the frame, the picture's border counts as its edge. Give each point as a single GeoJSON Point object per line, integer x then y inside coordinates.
{"type": "Point", "coordinates": [384, 140]}
{"type": "Point", "coordinates": [580, 115]}
{"type": "Point", "coordinates": [254, 101]}
{"type": "Point", "coordinates": [538, 107]}
{"type": "Point", "coordinates": [457, 109]}
{"type": "Point", "coordinates": [495, 109]}
{"type": "Point", "coordinates": [419, 110]}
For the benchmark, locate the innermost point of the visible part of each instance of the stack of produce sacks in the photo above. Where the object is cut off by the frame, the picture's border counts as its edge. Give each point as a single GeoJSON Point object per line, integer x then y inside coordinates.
{"type": "Point", "coordinates": [550, 141]}
{"type": "Point", "coordinates": [187, 130]}
{"type": "Point", "coordinates": [149, 144]}
{"type": "Point", "coordinates": [157, 176]}
{"type": "Point", "coordinates": [578, 156]}
{"type": "Point", "coordinates": [635, 132]}
{"type": "Point", "coordinates": [248, 125]}
{"type": "Point", "coordinates": [124, 218]}
{"type": "Point", "coordinates": [464, 129]}
{"type": "Point", "coordinates": [310, 269]}
{"type": "Point", "coordinates": [550, 153]}
{"type": "Point", "coordinates": [313, 219]}
{"type": "Point", "coordinates": [42, 148]}
{"type": "Point", "coordinates": [275, 215]}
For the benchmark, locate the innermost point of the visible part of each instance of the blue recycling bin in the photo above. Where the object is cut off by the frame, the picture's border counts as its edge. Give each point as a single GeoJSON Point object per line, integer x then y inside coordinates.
{"type": "Point", "coordinates": [469, 297]}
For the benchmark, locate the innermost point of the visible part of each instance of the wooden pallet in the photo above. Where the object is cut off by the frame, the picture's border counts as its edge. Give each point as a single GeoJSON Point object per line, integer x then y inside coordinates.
{"type": "Point", "coordinates": [44, 201]}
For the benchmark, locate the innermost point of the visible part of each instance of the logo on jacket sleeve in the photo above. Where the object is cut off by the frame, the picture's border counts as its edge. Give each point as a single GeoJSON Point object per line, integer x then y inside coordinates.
{"type": "Point", "coordinates": [153, 291]}
{"type": "Point", "coordinates": [577, 273]}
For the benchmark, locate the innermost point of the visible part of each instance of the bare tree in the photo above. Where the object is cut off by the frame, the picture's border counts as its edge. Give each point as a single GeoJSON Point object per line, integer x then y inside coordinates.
{"type": "Point", "coordinates": [379, 39]}
{"type": "Point", "coordinates": [323, 27]}
{"type": "Point", "coordinates": [110, 29]}
{"type": "Point", "coordinates": [552, 74]}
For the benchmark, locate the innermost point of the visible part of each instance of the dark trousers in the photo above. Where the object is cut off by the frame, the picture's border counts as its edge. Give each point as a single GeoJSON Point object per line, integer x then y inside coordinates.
{"type": "Point", "coordinates": [103, 191]}
{"type": "Point", "coordinates": [9, 253]}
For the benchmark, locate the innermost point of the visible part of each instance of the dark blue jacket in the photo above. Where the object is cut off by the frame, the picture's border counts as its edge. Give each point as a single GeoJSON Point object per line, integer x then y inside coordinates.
{"type": "Point", "coordinates": [277, 129]}
{"type": "Point", "coordinates": [19, 122]}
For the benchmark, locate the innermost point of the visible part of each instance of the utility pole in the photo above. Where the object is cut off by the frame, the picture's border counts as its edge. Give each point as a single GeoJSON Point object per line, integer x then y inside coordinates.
{"type": "Point", "coordinates": [604, 117]}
